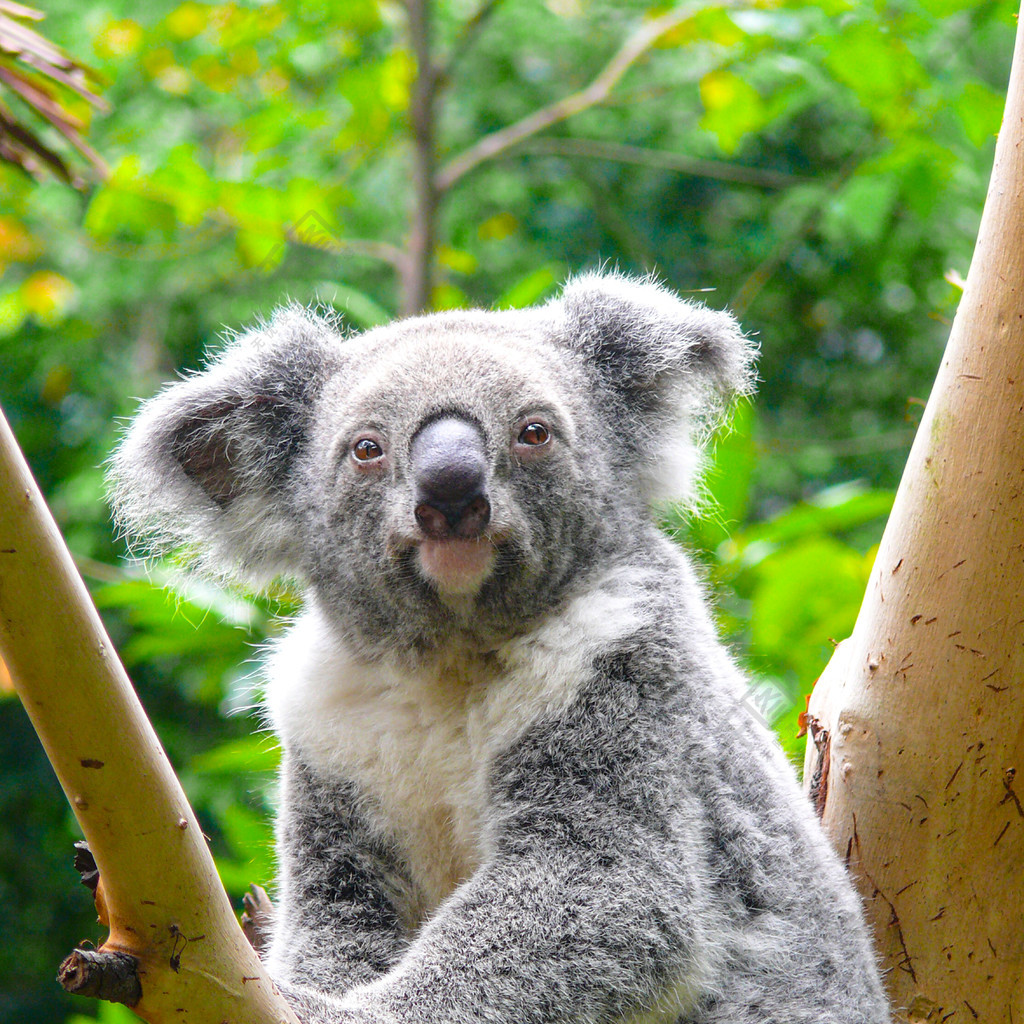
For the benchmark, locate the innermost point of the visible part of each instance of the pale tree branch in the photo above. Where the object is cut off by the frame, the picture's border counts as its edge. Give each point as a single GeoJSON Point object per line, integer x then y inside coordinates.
{"type": "Point", "coordinates": [917, 717]}
{"type": "Point", "coordinates": [365, 248]}
{"type": "Point", "coordinates": [312, 232]}
{"type": "Point", "coordinates": [171, 925]}
{"type": "Point", "coordinates": [597, 149]}
{"type": "Point", "coordinates": [638, 44]}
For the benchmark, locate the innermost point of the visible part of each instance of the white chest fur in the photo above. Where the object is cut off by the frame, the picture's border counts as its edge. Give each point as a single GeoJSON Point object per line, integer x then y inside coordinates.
{"type": "Point", "coordinates": [420, 743]}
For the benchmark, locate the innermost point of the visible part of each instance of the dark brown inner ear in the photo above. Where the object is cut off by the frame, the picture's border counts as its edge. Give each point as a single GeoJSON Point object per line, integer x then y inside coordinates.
{"type": "Point", "coordinates": [208, 453]}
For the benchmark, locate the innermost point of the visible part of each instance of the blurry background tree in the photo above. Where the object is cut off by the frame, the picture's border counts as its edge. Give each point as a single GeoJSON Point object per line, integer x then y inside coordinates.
{"type": "Point", "coordinates": [819, 166]}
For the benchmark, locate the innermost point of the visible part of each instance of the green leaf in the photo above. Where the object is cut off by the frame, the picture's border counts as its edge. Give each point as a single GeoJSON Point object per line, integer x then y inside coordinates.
{"type": "Point", "coordinates": [980, 110]}
{"type": "Point", "coordinates": [833, 510]}
{"type": "Point", "coordinates": [862, 209]}
{"type": "Point", "coordinates": [356, 306]}
{"type": "Point", "coordinates": [732, 108]}
{"type": "Point", "coordinates": [530, 289]}
{"type": "Point", "coordinates": [808, 594]}
{"type": "Point", "coordinates": [106, 1013]}
{"type": "Point", "coordinates": [945, 8]}
{"type": "Point", "coordinates": [877, 65]}
{"type": "Point", "coordinates": [448, 296]}
{"type": "Point", "coordinates": [249, 835]}
{"type": "Point", "coordinates": [12, 313]}
{"type": "Point", "coordinates": [257, 753]}
{"type": "Point", "coordinates": [727, 480]}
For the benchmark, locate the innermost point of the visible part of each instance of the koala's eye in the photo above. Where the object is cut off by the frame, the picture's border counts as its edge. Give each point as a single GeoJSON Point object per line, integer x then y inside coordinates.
{"type": "Point", "coordinates": [367, 450]}
{"type": "Point", "coordinates": [535, 440]}
{"type": "Point", "coordinates": [534, 434]}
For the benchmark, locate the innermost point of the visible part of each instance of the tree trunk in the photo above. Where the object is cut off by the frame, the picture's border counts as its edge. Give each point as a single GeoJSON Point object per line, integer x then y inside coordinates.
{"type": "Point", "coordinates": [188, 961]}
{"type": "Point", "coordinates": [419, 268]}
{"type": "Point", "coordinates": [921, 711]}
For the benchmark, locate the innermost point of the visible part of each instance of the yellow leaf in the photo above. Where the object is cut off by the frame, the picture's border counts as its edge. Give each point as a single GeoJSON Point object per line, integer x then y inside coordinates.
{"type": "Point", "coordinates": [396, 79]}
{"type": "Point", "coordinates": [720, 89]}
{"type": "Point", "coordinates": [456, 259]}
{"type": "Point", "coordinates": [447, 296]}
{"type": "Point", "coordinates": [56, 384]}
{"type": "Point", "coordinates": [497, 227]}
{"type": "Point", "coordinates": [213, 74]}
{"type": "Point", "coordinates": [683, 34]}
{"type": "Point", "coordinates": [46, 293]}
{"type": "Point", "coordinates": [732, 108]}
{"type": "Point", "coordinates": [118, 39]}
{"type": "Point", "coordinates": [154, 61]}
{"type": "Point", "coordinates": [15, 242]}
{"type": "Point", "coordinates": [245, 60]}
{"type": "Point", "coordinates": [258, 249]}
{"type": "Point", "coordinates": [188, 20]}
{"type": "Point", "coordinates": [174, 80]}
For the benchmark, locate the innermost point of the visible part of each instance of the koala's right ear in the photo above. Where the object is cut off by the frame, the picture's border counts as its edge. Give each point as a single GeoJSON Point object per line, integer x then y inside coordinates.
{"type": "Point", "coordinates": [209, 462]}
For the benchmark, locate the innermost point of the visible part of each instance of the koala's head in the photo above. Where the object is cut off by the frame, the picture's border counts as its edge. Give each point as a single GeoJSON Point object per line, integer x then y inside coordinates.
{"type": "Point", "coordinates": [448, 474]}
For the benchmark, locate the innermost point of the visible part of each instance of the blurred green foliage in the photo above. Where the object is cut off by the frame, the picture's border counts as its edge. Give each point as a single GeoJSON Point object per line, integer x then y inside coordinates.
{"type": "Point", "coordinates": [818, 166]}
{"type": "Point", "coordinates": [787, 587]}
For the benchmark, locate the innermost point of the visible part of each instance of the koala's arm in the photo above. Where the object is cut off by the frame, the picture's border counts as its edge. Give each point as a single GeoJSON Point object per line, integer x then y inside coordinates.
{"type": "Point", "coordinates": [337, 920]}
{"type": "Point", "coordinates": [587, 907]}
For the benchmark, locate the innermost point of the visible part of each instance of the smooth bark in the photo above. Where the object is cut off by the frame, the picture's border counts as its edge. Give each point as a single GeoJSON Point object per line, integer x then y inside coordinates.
{"type": "Point", "coordinates": [159, 893]}
{"type": "Point", "coordinates": [921, 711]}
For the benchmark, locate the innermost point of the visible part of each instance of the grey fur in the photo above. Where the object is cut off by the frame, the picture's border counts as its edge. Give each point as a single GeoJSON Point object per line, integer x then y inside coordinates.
{"type": "Point", "coordinates": [519, 784]}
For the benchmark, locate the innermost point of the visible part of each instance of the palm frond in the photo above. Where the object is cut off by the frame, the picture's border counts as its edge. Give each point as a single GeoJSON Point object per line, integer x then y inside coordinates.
{"type": "Point", "coordinates": [42, 78]}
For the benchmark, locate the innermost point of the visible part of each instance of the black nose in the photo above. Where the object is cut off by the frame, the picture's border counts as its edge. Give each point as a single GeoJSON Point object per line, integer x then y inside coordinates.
{"type": "Point", "coordinates": [448, 469]}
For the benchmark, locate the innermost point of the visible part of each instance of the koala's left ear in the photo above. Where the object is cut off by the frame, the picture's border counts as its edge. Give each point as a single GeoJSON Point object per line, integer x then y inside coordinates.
{"type": "Point", "coordinates": [668, 367]}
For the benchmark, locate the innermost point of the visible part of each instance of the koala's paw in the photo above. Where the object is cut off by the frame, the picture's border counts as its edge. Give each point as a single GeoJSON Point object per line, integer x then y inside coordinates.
{"type": "Point", "coordinates": [257, 918]}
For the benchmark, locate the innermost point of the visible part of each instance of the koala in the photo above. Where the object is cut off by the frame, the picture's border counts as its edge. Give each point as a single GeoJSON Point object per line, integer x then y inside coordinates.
{"type": "Point", "coordinates": [518, 783]}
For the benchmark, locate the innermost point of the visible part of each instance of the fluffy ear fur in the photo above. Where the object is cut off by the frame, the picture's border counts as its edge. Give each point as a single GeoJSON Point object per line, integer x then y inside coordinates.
{"type": "Point", "coordinates": [667, 367]}
{"type": "Point", "coordinates": [206, 462]}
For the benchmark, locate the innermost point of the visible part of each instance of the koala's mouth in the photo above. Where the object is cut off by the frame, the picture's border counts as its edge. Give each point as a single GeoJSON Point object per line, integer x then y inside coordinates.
{"type": "Point", "coordinates": [456, 565]}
